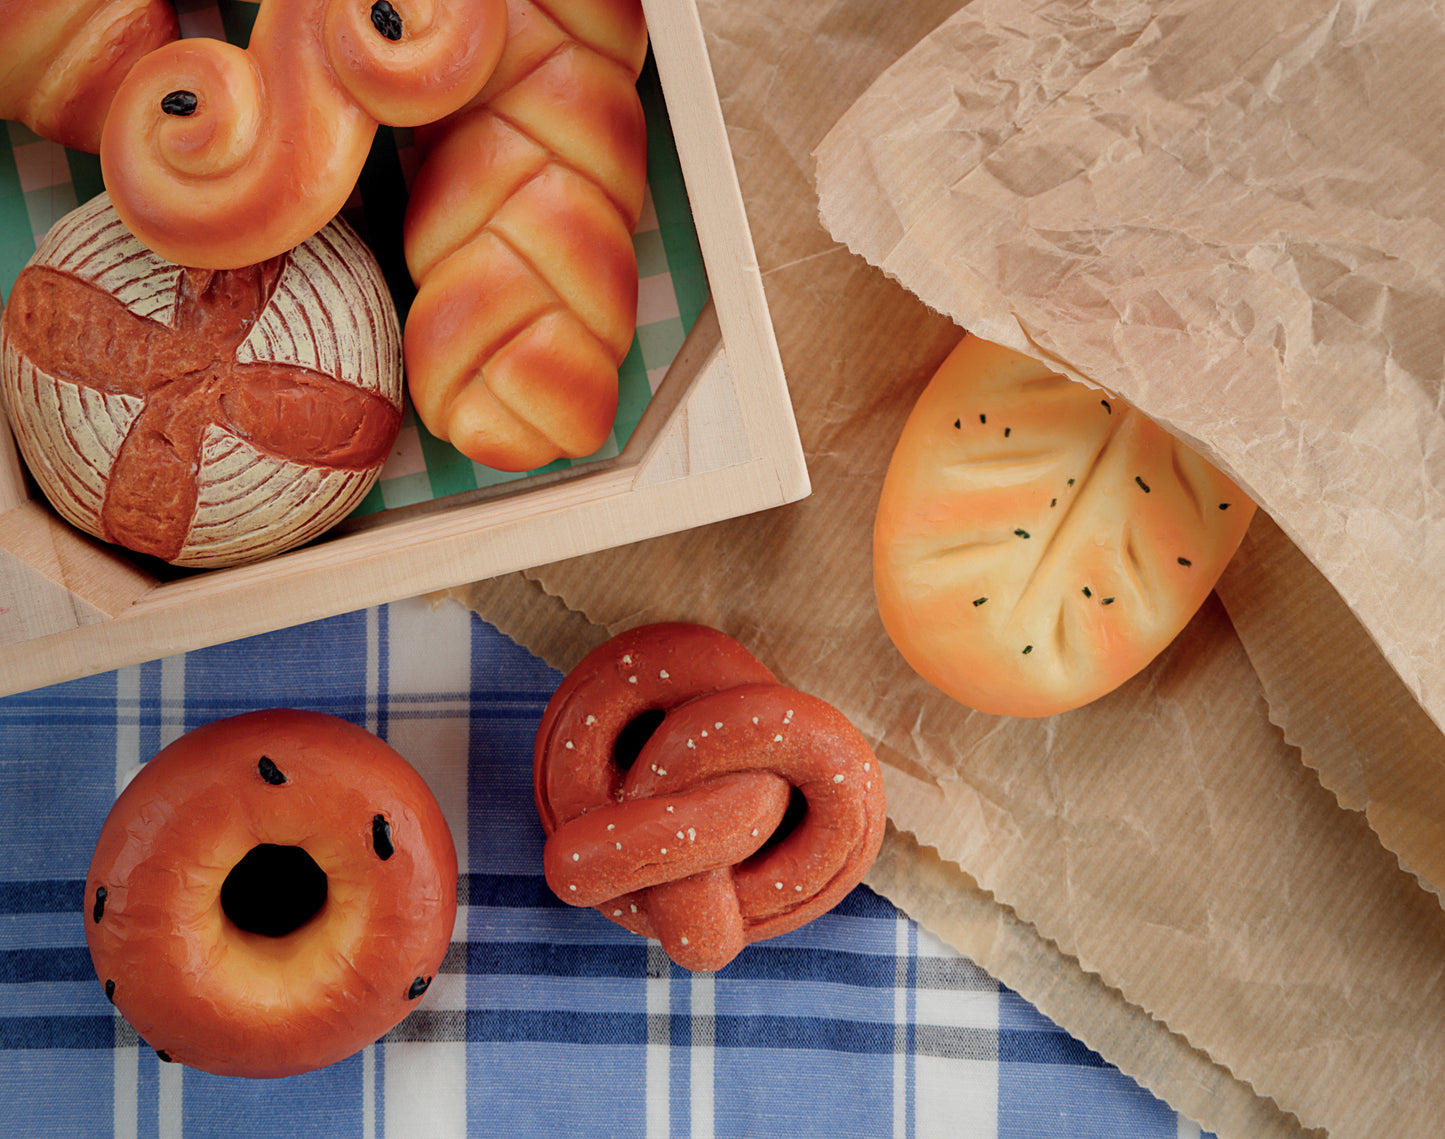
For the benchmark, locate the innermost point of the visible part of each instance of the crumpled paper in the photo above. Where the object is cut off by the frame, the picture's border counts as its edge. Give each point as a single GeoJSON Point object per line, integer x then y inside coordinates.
{"type": "Point", "coordinates": [1232, 217]}
{"type": "Point", "coordinates": [1230, 214]}
{"type": "Point", "coordinates": [1165, 876]}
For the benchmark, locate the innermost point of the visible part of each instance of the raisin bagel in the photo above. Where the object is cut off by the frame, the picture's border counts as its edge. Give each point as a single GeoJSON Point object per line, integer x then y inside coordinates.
{"type": "Point", "coordinates": [271, 893]}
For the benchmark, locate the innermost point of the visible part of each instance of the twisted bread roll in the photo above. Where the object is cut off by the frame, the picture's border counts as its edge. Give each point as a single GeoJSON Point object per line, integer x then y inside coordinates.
{"type": "Point", "coordinates": [64, 60]}
{"type": "Point", "coordinates": [218, 157]}
{"type": "Point", "coordinates": [696, 841]}
{"type": "Point", "coordinates": [519, 238]}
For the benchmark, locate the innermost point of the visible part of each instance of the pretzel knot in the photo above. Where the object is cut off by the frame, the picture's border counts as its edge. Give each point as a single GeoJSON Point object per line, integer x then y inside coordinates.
{"type": "Point", "coordinates": [749, 810]}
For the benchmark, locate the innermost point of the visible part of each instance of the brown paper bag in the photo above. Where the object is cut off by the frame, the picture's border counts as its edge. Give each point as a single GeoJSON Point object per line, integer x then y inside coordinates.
{"type": "Point", "coordinates": [1232, 215]}
{"type": "Point", "coordinates": [1159, 871]}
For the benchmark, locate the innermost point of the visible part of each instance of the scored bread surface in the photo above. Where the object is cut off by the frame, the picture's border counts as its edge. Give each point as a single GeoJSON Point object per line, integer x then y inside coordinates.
{"type": "Point", "coordinates": [1038, 542]}
{"type": "Point", "coordinates": [329, 315]}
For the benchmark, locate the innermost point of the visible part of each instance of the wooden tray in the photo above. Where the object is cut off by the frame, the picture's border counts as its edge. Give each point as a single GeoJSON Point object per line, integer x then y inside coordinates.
{"type": "Point", "coordinates": [717, 440]}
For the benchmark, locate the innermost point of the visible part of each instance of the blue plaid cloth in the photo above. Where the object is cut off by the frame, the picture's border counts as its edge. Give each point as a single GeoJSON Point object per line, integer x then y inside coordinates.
{"type": "Point", "coordinates": [546, 1020]}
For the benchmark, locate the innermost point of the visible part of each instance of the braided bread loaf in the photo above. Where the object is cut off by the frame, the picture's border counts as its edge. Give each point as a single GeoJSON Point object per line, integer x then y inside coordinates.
{"type": "Point", "coordinates": [218, 157]}
{"type": "Point", "coordinates": [519, 238]}
{"type": "Point", "coordinates": [64, 59]}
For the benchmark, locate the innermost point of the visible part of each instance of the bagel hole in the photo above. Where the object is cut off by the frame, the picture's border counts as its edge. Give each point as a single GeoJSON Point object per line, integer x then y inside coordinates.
{"type": "Point", "coordinates": [274, 890]}
{"type": "Point", "coordinates": [635, 733]}
{"type": "Point", "coordinates": [792, 818]}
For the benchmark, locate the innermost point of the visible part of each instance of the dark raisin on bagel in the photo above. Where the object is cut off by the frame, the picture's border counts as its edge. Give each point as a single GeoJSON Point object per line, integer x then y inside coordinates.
{"type": "Point", "coordinates": [270, 894]}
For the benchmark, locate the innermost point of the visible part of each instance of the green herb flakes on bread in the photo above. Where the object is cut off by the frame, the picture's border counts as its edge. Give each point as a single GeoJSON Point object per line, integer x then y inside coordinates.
{"type": "Point", "coordinates": [1037, 541]}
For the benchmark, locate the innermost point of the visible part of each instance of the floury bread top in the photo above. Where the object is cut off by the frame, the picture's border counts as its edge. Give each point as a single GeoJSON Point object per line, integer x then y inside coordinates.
{"type": "Point", "coordinates": [204, 418]}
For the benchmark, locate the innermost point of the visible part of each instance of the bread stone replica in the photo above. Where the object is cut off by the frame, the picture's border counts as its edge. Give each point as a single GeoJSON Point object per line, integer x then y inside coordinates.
{"type": "Point", "coordinates": [63, 61]}
{"type": "Point", "coordinates": [1038, 542]}
{"type": "Point", "coordinates": [206, 418]}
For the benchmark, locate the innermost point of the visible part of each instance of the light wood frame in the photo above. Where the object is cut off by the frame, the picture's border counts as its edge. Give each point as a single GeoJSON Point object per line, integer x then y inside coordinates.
{"type": "Point", "coordinates": [717, 440]}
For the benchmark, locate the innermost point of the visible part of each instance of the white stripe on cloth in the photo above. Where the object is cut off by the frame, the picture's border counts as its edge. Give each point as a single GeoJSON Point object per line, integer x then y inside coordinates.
{"type": "Point", "coordinates": [125, 1058]}
{"type": "Point", "coordinates": [959, 994]}
{"type": "Point", "coordinates": [703, 998]}
{"type": "Point", "coordinates": [659, 1049]}
{"type": "Point", "coordinates": [956, 1098]}
{"type": "Point", "coordinates": [127, 725]}
{"type": "Point", "coordinates": [170, 1092]}
{"type": "Point", "coordinates": [170, 1101]}
{"type": "Point", "coordinates": [125, 1074]}
{"type": "Point", "coordinates": [173, 699]}
{"type": "Point", "coordinates": [368, 1092]}
{"type": "Point", "coordinates": [426, 1089]}
{"type": "Point", "coordinates": [429, 671]}
{"type": "Point", "coordinates": [428, 664]}
{"type": "Point", "coordinates": [902, 1016]}
{"type": "Point", "coordinates": [125, 1067]}
{"type": "Point", "coordinates": [955, 1093]}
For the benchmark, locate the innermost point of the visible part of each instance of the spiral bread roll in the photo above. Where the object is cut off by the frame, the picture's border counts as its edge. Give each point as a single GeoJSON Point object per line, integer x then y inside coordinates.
{"type": "Point", "coordinates": [1037, 541]}
{"type": "Point", "coordinates": [64, 60]}
{"type": "Point", "coordinates": [270, 894]}
{"type": "Point", "coordinates": [519, 238]}
{"type": "Point", "coordinates": [217, 156]}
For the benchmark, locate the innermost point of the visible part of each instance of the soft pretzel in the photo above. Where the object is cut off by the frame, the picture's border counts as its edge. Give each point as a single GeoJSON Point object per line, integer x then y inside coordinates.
{"type": "Point", "coordinates": [690, 841]}
{"type": "Point", "coordinates": [635, 676]}
{"type": "Point", "coordinates": [218, 157]}
{"type": "Point", "coordinates": [1037, 541]}
{"type": "Point", "coordinates": [518, 235]}
{"type": "Point", "coordinates": [64, 60]}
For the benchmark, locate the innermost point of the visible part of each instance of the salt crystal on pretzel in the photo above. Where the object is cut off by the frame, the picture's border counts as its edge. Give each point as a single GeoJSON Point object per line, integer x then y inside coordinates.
{"type": "Point", "coordinates": [636, 674]}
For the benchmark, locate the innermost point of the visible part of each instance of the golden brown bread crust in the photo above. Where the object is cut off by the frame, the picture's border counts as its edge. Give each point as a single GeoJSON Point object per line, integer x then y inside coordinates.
{"type": "Point", "coordinates": [202, 988]}
{"type": "Point", "coordinates": [64, 60]}
{"type": "Point", "coordinates": [693, 843]}
{"type": "Point", "coordinates": [203, 417]}
{"type": "Point", "coordinates": [1037, 543]}
{"type": "Point", "coordinates": [519, 238]}
{"type": "Point", "coordinates": [278, 132]}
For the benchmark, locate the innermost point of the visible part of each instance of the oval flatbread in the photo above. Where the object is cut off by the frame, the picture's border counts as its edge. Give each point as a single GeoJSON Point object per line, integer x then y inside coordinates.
{"type": "Point", "coordinates": [1038, 542]}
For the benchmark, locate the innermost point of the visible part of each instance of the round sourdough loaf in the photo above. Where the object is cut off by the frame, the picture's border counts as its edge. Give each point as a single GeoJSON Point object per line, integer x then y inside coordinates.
{"type": "Point", "coordinates": [205, 417]}
{"type": "Point", "coordinates": [1038, 542]}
